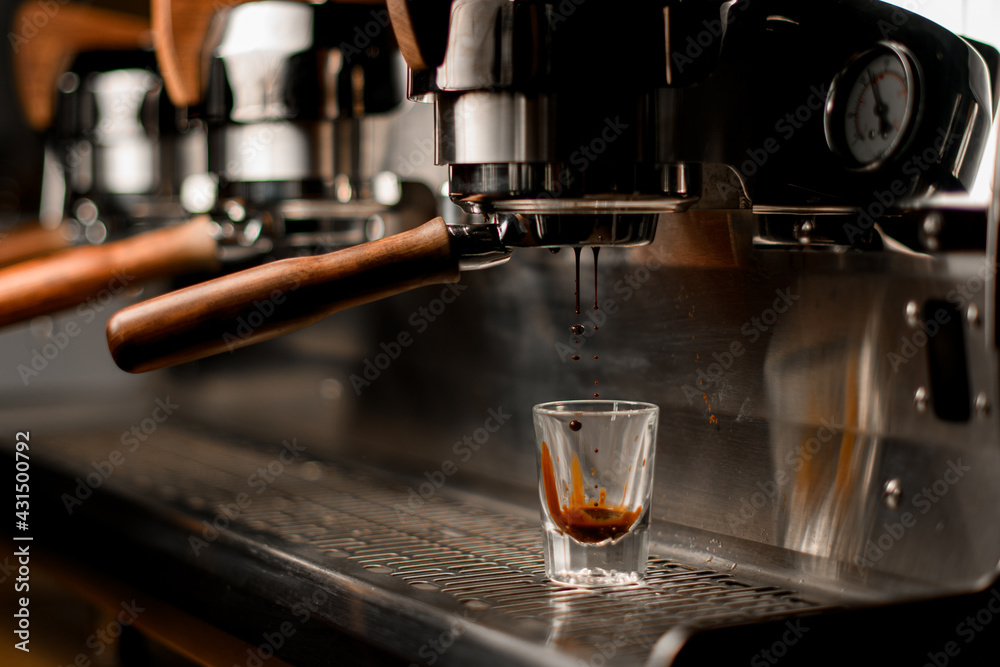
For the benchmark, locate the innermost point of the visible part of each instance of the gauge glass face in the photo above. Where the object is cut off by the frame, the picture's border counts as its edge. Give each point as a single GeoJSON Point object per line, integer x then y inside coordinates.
{"type": "Point", "coordinates": [878, 107]}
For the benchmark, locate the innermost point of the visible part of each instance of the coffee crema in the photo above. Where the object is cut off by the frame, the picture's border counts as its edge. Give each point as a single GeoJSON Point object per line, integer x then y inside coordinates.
{"type": "Point", "coordinates": [585, 520]}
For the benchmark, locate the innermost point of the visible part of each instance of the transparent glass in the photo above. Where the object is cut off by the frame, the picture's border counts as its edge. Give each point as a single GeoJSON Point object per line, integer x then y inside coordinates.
{"type": "Point", "coordinates": [595, 479]}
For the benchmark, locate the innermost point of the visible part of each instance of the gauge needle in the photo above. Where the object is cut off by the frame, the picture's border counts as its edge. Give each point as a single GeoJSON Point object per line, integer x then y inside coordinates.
{"type": "Point", "coordinates": [885, 126]}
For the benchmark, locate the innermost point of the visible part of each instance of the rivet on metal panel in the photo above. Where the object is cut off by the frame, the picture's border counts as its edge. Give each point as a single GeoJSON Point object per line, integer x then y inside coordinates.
{"type": "Point", "coordinates": [982, 404]}
{"type": "Point", "coordinates": [892, 493]}
{"type": "Point", "coordinates": [972, 316]}
{"type": "Point", "coordinates": [804, 230]}
{"type": "Point", "coordinates": [932, 228]}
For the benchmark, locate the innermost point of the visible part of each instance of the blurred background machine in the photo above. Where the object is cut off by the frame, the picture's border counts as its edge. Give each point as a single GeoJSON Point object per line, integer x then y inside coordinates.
{"type": "Point", "coordinates": [804, 202]}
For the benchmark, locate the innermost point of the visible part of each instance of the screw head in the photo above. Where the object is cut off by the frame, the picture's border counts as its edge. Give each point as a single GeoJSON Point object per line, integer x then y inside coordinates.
{"type": "Point", "coordinates": [932, 227]}
{"type": "Point", "coordinates": [982, 404]}
{"type": "Point", "coordinates": [932, 224]}
{"type": "Point", "coordinates": [892, 493]}
{"type": "Point", "coordinates": [972, 315]}
{"type": "Point", "coordinates": [803, 231]}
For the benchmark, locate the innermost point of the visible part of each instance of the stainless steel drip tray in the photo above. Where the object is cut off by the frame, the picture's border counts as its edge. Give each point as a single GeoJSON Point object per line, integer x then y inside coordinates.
{"type": "Point", "coordinates": [449, 582]}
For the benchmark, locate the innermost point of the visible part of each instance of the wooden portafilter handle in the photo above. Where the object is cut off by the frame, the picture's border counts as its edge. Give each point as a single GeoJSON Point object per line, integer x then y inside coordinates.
{"type": "Point", "coordinates": [267, 301]}
{"type": "Point", "coordinates": [45, 37]}
{"type": "Point", "coordinates": [29, 240]}
{"type": "Point", "coordinates": [68, 278]}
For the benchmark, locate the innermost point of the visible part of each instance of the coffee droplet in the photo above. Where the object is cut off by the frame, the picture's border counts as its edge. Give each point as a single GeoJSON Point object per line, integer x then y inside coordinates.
{"type": "Point", "coordinates": [595, 356]}
{"type": "Point", "coordinates": [575, 425]}
{"type": "Point", "coordinates": [596, 450]}
{"type": "Point", "coordinates": [575, 357]}
{"type": "Point", "coordinates": [577, 329]}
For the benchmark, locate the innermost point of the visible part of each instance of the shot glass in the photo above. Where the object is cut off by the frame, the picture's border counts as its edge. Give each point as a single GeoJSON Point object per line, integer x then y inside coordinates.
{"type": "Point", "coordinates": [595, 478]}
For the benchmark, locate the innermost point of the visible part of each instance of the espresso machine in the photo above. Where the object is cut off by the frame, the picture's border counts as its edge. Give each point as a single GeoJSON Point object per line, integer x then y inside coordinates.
{"type": "Point", "coordinates": [762, 216]}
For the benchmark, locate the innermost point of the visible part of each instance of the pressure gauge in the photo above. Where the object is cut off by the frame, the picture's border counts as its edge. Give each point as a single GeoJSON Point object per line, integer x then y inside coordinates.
{"type": "Point", "coordinates": [871, 106]}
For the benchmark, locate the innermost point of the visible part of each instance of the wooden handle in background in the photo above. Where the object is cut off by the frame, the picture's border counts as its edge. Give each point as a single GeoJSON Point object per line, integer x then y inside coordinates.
{"type": "Point", "coordinates": [421, 29]}
{"type": "Point", "coordinates": [180, 30]}
{"type": "Point", "coordinates": [29, 240]}
{"type": "Point", "coordinates": [68, 278]}
{"type": "Point", "coordinates": [267, 301]}
{"type": "Point", "coordinates": [45, 36]}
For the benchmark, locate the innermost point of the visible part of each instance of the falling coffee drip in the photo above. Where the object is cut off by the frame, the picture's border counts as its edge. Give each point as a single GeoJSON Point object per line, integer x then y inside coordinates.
{"type": "Point", "coordinates": [580, 329]}
{"type": "Point", "coordinates": [576, 251]}
{"type": "Point", "coordinates": [596, 306]}
{"type": "Point", "coordinates": [575, 425]}
{"type": "Point", "coordinates": [596, 250]}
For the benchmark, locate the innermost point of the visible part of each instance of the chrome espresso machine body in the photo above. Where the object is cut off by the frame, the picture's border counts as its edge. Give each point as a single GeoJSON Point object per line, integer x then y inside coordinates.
{"type": "Point", "coordinates": [804, 282]}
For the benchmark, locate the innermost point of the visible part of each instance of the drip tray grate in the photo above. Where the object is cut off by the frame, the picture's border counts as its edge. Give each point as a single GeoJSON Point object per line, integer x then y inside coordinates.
{"type": "Point", "coordinates": [489, 563]}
